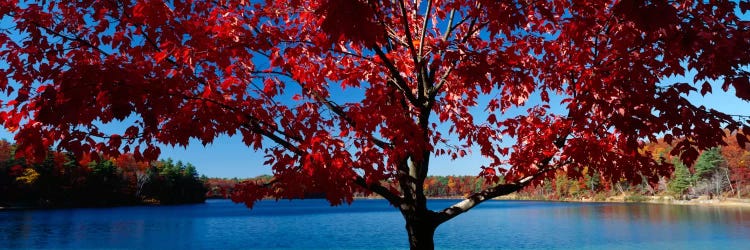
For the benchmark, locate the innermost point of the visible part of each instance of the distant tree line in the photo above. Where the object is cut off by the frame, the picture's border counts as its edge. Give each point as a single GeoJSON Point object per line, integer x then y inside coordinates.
{"type": "Point", "coordinates": [221, 188]}
{"type": "Point", "coordinates": [718, 172]}
{"type": "Point", "coordinates": [435, 186]}
{"type": "Point", "coordinates": [61, 180]}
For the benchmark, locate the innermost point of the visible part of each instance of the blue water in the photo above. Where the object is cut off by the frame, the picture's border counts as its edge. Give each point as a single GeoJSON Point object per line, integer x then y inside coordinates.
{"type": "Point", "coordinates": [372, 224]}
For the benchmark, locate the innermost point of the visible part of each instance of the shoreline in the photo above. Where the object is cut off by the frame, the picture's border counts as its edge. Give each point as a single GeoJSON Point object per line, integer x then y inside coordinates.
{"type": "Point", "coordinates": [655, 199]}
{"type": "Point", "coordinates": [662, 200]}
{"type": "Point", "coordinates": [141, 204]}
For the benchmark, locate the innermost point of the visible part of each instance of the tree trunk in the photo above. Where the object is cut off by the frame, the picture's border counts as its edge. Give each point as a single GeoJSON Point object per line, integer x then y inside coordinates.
{"type": "Point", "coordinates": [421, 233]}
{"type": "Point", "coordinates": [726, 174]}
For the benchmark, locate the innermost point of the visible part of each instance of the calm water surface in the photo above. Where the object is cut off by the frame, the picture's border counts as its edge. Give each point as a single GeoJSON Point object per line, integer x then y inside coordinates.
{"type": "Point", "coordinates": [372, 224]}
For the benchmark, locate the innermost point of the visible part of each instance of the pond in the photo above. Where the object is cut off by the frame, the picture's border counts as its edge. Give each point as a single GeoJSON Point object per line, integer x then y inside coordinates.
{"type": "Point", "coordinates": [372, 224]}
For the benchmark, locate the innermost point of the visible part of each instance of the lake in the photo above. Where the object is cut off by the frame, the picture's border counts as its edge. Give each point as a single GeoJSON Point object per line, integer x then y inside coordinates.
{"type": "Point", "coordinates": [372, 224]}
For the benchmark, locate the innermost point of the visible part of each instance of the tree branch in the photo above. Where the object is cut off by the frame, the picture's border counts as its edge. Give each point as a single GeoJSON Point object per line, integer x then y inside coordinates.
{"type": "Point", "coordinates": [407, 31]}
{"type": "Point", "coordinates": [375, 187]}
{"type": "Point", "coordinates": [400, 83]}
{"type": "Point", "coordinates": [424, 28]}
{"type": "Point", "coordinates": [75, 39]}
{"type": "Point", "coordinates": [335, 108]}
{"type": "Point", "coordinates": [490, 193]}
{"type": "Point", "coordinates": [395, 200]}
{"type": "Point", "coordinates": [443, 79]}
{"type": "Point", "coordinates": [339, 111]}
{"type": "Point", "coordinates": [475, 199]}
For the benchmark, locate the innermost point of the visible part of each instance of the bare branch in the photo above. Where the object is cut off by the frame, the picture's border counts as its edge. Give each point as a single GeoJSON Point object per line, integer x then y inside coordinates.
{"type": "Point", "coordinates": [424, 28]}
{"type": "Point", "coordinates": [490, 193]}
{"type": "Point", "coordinates": [380, 190]}
{"type": "Point", "coordinates": [443, 80]}
{"type": "Point", "coordinates": [407, 30]}
{"type": "Point", "coordinates": [400, 83]}
{"type": "Point", "coordinates": [449, 27]}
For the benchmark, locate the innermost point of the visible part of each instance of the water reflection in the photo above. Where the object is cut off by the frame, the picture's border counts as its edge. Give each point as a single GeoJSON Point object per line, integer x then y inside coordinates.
{"type": "Point", "coordinates": [372, 224]}
{"type": "Point", "coordinates": [629, 226]}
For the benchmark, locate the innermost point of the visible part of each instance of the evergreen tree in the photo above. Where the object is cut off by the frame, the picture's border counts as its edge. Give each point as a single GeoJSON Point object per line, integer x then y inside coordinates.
{"type": "Point", "coordinates": [681, 178]}
{"type": "Point", "coordinates": [711, 173]}
{"type": "Point", "coordinates": [707, 164]}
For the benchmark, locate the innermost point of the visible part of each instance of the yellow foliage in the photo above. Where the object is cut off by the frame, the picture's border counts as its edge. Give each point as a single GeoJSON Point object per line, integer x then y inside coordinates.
{"type": "Point", "coordinates": [29, 176]}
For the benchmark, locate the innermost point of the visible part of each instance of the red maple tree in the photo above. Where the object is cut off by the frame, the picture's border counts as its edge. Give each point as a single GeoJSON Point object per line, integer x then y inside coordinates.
{"type": "Point", "coordinates": [345, 94]}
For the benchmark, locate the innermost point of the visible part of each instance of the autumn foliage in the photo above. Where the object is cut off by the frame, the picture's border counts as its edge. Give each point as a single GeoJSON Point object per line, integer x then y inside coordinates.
{"type": "Point", "coordinates": [342, 95]}
{"type": "Point", "coordinates": [61, 180]}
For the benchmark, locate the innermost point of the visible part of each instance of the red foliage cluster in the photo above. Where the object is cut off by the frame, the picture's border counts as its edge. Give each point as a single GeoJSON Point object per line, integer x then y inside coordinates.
{"type": "Point", "coordinates": [738, 162]}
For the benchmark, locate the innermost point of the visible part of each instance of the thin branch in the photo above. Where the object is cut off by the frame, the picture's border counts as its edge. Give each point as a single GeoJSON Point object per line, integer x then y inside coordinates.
{"type": "Point", "coordinates": [412, 50]}
{"type": "Point", "coordinates": [341, 113]}
{"type": "Point", "coordinates": [75, 39]}
{"type": "Point", "coordinates": [490, 193]}
{"type": "Point", "coordinates": [407, 30]}
{"type": "Point", "coordinates": [400, 83]}
{"type": "Point", "coordinates": [331, 106]}
{"type": "Point", "coordinates": [449, 28]}
{"type": "Point", "coordinates": [255, 124]}
{"type": "Point", "coordinates": [360, 56]}
{"type": "Point", "coordinates": [443, 80]}
{"type": "Point", "coordinates": [375, 187]}
{"type": "Point", "coordinates": [424, 28]}
{"type": "Point", "coordinates": [394, 199]}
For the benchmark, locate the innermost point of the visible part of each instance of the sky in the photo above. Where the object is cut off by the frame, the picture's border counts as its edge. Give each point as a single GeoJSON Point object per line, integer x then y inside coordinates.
{"type": "Point", "coordinates": [228, 157]}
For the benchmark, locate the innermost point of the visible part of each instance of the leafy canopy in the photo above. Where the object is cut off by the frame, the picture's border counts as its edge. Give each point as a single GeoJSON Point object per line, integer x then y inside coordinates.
{"type": "Point", "coordinates": [345, 94]}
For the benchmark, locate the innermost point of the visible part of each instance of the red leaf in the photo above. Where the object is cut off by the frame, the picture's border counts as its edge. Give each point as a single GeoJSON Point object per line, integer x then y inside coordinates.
{"type": "Point", "coordinates": [269, 87]}
{"type": "Point", "coordinates": [706, 88]}
{"type": "Point", "coordinates": [689, 155]}
{"type": "Point", "coordinates": [350, 20]}
{"type": "Point", "coordinates": [668, 138]}
{"type": "Point", "coordinates": [741, 140]}
{"type": "Point", "coordinates": [159, 56]}
{"type": "Point", "coordinates": [492, 119]}
{"type": "Point", "coordinates": [545, 96]}
{"type": "Point", "coordinates": [684, 88]}
{"type": "Point", "coordinates": [742, 87]}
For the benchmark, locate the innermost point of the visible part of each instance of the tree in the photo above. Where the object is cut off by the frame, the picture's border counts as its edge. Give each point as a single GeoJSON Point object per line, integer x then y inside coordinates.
{"type": "Point", "coordinates": [711, 172]}
{"type": "Point", "coordinates": [738, 162]}
{"type": "Point", "coordinates": [421, 79]}
{"type": "Point", "coordinates": [681, 180]}
{"type": "Point", "coordinates": [707, 163]}
{"type": "Point", "coordinates": [135, 172]}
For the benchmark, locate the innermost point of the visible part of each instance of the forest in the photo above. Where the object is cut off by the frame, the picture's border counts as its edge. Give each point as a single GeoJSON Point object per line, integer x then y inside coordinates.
{"type": "Point", "coordinates": [61, 180]}
{"type": "Point", "coordinates": [718, 172]}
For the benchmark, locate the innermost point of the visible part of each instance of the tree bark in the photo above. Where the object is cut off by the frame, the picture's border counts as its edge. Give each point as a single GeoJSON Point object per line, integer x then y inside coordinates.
{"type": "Point", "coordinates": [421, 231]}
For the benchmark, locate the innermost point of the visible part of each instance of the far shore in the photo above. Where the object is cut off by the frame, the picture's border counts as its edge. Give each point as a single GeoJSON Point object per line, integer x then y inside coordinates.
{"type": "Point", "coordinates": [656, 199]}
{"type": "Point", "coordinates": [139, 204]}
{"type": "Point", "coordinates": [666, 200]}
